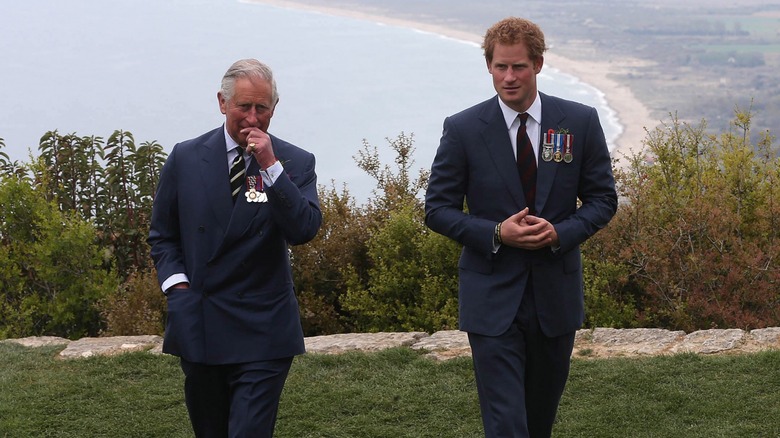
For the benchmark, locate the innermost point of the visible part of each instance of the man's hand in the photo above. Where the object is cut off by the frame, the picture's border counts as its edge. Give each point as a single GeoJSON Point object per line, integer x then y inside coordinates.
{"type": "Point", "coordinates": [258, 143]}
{"type": "Point", "coordinates": [181, 286]}
{"type": "Point", "coordinates": [522, 230]}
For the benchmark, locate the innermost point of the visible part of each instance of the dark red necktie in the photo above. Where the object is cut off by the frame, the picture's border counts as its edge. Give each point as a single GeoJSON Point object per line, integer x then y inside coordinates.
{"type": "Point", "coordinates": [526, 163]}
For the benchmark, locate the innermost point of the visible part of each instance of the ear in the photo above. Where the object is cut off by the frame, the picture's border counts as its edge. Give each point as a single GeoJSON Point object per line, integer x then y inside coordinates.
{"type": "Point", "coordinates": [222, 103]}
{"type": "Point", "coordinates": [538, 64]}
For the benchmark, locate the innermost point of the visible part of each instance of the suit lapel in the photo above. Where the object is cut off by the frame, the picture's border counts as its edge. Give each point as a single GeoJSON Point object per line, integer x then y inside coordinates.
{"type": "Point", "coordinates": [242, 213]}
{"type": "Point", "coordinates": [552, 116]}
{"type": "Point", "coordinates": [499, 148]}
{"type": "Point", "coordinates": [214, 174]}
{"type": "Point", "coordinates": [233, 219]}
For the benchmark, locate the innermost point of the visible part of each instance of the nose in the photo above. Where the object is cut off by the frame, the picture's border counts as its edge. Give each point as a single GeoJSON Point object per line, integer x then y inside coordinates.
{"type": "Point", "coordinates": [510, 76]}
{"type": "Point", "coordinates": [251, 116]}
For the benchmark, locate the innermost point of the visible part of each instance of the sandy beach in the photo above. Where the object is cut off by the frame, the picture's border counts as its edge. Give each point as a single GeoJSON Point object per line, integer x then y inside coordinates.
{"type": "Point", "coordinates": [632, 114]}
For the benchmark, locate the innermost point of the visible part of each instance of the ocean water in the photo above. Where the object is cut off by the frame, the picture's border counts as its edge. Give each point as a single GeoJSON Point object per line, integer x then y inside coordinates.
{"type": "Point", "coordinates": [153, 67]}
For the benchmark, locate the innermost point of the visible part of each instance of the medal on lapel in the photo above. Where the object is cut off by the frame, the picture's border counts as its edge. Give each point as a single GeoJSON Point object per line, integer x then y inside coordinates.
{"type": "Point", "coordinates": [567, 151]}
{"type": "Point", "coordinates": [558, 148]}
{"type": "Point", "coordinates": [255, 191]}
{"type": "Point", "coordinates": [547, 145]}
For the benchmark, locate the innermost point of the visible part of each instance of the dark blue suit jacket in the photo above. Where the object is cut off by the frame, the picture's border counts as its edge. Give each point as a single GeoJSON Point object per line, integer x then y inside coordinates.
{"type": "Point", "coordinates": [475, 164]}
{"type": "Point", "coordinates": [241, 305]}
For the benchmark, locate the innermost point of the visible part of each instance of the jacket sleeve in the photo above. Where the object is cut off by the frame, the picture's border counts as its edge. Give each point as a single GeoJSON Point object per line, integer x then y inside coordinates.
{"type": "Point", "coordinates": [293, 198]}
{"type": "Point", "coordinates": [164, 230]}
{"type": "Point", "coordinates": [446, 193]}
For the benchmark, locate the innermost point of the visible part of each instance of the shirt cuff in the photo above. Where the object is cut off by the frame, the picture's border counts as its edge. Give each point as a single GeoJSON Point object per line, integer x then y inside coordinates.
{"type": "Point", "coordinates": [270, 174]}
{"type": "Point", "coordinates": [174, 279]}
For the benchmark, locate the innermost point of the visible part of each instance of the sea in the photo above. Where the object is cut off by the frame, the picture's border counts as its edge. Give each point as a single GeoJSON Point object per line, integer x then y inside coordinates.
{"type": "Point", "coordinates": [153, 68]}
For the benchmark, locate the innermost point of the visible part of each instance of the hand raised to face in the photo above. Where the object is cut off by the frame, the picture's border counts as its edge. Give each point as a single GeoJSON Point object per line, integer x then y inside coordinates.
{"type": "Point", "coordinates": [259, 145]}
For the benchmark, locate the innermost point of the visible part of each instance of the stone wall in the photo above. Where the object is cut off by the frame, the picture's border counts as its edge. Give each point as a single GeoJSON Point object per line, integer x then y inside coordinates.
{"type": "Point", "coordinates": [596, 343]}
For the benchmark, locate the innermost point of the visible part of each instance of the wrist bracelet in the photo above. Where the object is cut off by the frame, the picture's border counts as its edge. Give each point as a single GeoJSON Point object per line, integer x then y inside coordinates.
{"type": "Point", "coordinates": [497, 235]}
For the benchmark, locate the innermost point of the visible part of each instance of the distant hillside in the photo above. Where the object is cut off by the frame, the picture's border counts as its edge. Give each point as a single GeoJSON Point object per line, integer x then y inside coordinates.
{"type": "Point", "coordinates": [697, 58]}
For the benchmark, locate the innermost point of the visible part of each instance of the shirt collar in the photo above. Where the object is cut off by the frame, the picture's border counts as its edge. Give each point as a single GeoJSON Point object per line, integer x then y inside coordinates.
{"type": "Point", "coordinates": [534, 111]}
{"type": "Point", "coordinates": [229, 142]}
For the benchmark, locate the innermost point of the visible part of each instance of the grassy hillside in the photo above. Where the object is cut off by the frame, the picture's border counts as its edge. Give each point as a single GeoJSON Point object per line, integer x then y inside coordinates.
{"type": "Point", "coordinates": [396, 393]}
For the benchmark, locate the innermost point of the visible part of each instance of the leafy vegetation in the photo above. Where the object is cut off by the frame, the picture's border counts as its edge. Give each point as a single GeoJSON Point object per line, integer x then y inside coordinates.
{"type": "Point", "coordinates": [694, 244]}
{"type": "Point", "coordinates": [696, 239]}
{"type": "Point", "coordinates": [51, 267]}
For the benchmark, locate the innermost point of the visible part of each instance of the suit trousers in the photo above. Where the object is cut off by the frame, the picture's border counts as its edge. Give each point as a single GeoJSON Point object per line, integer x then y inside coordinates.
{"type": "Point", "coordinates": [521, 375]}
{"type": "Point", "coordinates": [235, 400]}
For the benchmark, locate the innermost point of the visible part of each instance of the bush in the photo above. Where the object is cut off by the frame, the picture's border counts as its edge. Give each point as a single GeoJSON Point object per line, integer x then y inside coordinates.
{"type": "Point", "coordinates": [137, 308]}
{"type": "Point", "coordinates": [408, 280]}
{"type": "Point", "coordinates": [319, 266]}
{"type": "Point", "coordinates": [605, 307]}
{"type": "Point", "coordinates": [694, 243]}
{"type": "Point", "coordinates": [412, 285]}
{"type": "Point", "coordinates": [697, 234]}
{"type": "Point", "coordinates": [51, 270]}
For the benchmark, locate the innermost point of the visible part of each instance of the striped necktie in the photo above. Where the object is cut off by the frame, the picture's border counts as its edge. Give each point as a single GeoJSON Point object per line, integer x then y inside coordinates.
{"type": "Point", "coordinates": [526, 163]}
{"type": "Point", "coordinates": [237, 173]}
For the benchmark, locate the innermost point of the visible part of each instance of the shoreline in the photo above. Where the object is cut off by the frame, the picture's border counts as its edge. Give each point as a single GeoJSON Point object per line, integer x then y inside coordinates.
{"type": "Point", "coordinates": [631, 114]}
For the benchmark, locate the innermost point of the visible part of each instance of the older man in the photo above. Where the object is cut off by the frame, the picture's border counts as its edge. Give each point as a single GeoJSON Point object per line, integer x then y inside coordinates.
{"type": "Point", "coordinates": [228, 205]}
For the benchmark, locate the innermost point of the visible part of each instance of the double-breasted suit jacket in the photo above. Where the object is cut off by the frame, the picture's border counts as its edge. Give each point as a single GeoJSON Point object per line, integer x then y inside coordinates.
{"type": "Point", "coordinates": [241, 305]}
{"type": "Point", "coordinates": [475, 164]}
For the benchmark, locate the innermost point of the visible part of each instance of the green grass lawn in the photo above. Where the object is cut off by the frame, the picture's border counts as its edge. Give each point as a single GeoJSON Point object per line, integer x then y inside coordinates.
{"type": "Point", "coordinates": [396, 393]}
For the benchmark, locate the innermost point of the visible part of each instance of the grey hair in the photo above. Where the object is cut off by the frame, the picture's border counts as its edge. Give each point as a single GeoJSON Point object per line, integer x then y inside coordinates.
{"type": "Point", "coordinates": [247, 68]}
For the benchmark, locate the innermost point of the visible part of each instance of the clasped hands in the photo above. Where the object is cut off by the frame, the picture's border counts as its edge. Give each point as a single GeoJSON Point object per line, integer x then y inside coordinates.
{"type": "Point", "coordinates": [525, 231]}
{"type": "Point", "coordinates": [258, 143]}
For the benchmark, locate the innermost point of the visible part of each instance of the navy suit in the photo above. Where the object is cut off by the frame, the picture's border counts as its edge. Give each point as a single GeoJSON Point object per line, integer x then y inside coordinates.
{"type": "Point", "coordinates": [475, 164]}
{"type": "Point", "coordinates": [241, 305]}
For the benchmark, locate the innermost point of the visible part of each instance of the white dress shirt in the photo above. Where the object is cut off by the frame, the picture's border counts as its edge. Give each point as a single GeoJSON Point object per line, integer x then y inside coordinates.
{"type": "Point", "coordinates": [532, 125]}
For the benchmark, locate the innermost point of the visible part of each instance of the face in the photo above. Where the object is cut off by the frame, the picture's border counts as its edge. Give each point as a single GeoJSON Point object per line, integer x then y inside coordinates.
{"type": "Point", "coordinates": [514, 75]}
{"type": "Point", "coordinates": [251, 106]}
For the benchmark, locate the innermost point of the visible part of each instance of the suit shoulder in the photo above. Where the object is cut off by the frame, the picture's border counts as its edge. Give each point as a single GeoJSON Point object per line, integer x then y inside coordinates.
{"type": "Point", "coordinates": [285, 150]}
{"type": "Point", "coordinates": [565, 104]}
{"type": "Point", "coordinates": [199, 140]}
{"type": "Point", "coordinates": [475, 110]}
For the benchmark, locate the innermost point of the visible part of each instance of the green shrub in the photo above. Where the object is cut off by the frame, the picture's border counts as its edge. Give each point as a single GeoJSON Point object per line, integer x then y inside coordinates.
{"type": "Point", "coordinates": [51, 270]}
{"type": "Point", "coordinates": [137, 308]}
{"type": "Point", "coordinates": [697, 233]}
{"type": "Point", "coordinates": [412, 284]}
{"type": "Point", "coordinates": [602, 308]}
